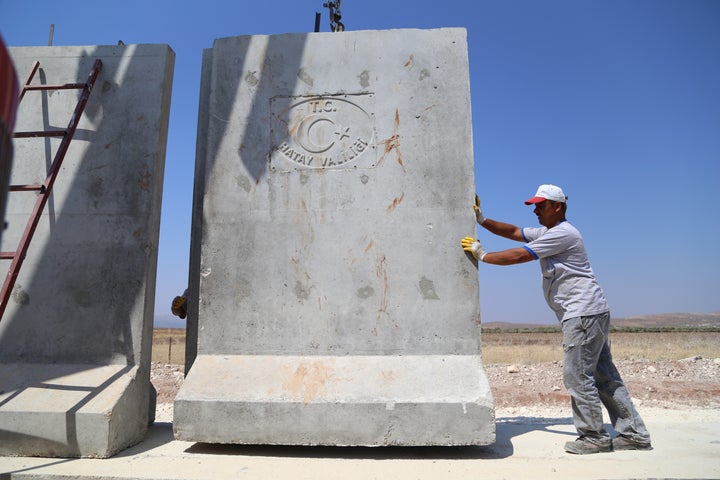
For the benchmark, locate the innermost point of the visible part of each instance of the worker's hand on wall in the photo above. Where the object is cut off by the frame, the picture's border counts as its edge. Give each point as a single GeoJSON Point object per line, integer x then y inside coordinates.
{"type": "Point", "coordinates": [473, 246]}
{"type": "Point", "coordinates": [478, 211]}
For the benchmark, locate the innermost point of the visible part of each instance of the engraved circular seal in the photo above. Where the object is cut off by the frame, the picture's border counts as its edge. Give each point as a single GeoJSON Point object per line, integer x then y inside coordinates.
{"type": "Point", "coordinates": [324, 132]}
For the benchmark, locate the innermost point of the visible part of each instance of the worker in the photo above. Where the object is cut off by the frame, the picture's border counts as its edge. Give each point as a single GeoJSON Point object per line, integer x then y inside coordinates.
{"type": "Point", "coordinates": [573, 293]}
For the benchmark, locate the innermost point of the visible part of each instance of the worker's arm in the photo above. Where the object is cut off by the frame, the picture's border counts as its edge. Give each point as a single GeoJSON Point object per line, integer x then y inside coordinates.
{"type": "Point", "coordinates": [510, 256]}
{"type": "Point", "coordinates": [498, 228]}
{"type": "Point", "coordinates": [503, 229]}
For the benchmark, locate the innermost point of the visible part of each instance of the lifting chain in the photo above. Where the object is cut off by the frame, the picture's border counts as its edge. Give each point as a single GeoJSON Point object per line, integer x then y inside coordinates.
{"type": "Point", "coordinates": [335, 24]}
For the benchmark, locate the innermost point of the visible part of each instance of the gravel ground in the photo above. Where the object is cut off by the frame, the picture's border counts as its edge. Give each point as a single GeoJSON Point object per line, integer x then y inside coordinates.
{"type": "Point", "coordinates": [692, 382]}
{"type": "Point", "coordinates": [537, 389]}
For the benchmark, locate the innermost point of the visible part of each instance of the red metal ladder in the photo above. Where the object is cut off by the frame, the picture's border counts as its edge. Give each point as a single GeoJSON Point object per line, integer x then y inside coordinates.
{"type": "Point", "coordinates": [44, 188]}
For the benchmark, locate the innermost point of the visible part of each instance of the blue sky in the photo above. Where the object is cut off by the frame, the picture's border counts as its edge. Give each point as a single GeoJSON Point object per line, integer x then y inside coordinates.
{"type": "Point", "coordinates": [616, 101]}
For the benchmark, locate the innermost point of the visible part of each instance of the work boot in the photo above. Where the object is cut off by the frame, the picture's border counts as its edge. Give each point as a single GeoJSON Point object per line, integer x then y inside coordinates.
{"type": "Point", "coordinates": [627, 443]}
{"type": "Point", "coordinates": [583, 446]}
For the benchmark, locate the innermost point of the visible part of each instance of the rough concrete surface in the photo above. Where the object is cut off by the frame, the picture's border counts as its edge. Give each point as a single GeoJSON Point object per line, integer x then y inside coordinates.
{"type": "Point", "coordinates": [75, 338]}
{"type": "Point", "coordinates": [311, 176]}
{"type": "Point", "coordinates": [388, 394]}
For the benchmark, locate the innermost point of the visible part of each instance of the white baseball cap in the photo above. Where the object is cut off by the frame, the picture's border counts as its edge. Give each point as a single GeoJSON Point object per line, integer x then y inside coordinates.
{"type": "Point", "coordinates": [547, 192]}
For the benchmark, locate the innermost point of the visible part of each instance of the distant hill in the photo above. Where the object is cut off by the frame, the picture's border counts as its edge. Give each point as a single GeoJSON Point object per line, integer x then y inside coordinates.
{"type": "Point", "coordinates": [671, 320]}
{"type": "Point", "coordinates": [168, 321]}
{"type": "Point", "coordinates": [668, 320]}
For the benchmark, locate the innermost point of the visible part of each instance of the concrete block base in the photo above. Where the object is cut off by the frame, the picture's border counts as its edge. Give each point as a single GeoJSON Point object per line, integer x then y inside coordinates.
{"type": "Point", "coordinates": [350, 400]}
{"type": "Point", "coordinates": [71, 410]}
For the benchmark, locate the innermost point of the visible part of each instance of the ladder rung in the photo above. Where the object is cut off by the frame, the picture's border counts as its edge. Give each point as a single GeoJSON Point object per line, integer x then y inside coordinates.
{"type": "Point", "coordinates": [18, 257]}
{"type": "Point", "coordinates": [64, 86]}
{"type": "Point", "coordinates": [33, 187]}
{"type": "Point", "coordinates": [40, 133]}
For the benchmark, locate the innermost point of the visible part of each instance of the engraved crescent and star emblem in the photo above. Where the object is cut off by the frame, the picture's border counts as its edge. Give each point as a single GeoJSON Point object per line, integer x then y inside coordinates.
{"type": "Point", "coordinates": [325, 132]}
{"type": "Point", "coordinates": [308, 135]}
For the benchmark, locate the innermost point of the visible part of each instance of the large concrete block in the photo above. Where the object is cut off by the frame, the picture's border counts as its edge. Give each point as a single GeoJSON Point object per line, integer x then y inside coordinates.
{"type": "Point", "coordinates": [365, 400]}
{"type": "Point", "coordinates": [80, 318]}
{"type": "Point", "coordinates": [334, 182]}
{"type": "Point", "coordinates": [70, 410]}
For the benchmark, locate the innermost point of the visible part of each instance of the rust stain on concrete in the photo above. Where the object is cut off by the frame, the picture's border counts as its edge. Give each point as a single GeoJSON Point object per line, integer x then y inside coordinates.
{"type": "Point", "coordinates": [369, 246]}
{"type": "Point", "coordinates": [410, 62]}
{"type": "Point", "coordinates": [389, 375]}
{"type": "Point", "coordinates": [396, 201]}
{"type": "Point", "coordinates": [393, 143]}
{"type": "Point", "coordinates": [308, 381]}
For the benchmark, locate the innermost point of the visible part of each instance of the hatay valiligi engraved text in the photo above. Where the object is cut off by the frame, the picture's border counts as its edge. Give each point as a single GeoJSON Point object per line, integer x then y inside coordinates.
{"type": "Point", "coordinates": [323, 132]}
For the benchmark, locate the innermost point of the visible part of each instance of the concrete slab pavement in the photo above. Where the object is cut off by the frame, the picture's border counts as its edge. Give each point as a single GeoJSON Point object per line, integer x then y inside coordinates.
{"type": "Point", "coordinates": [687, 445]}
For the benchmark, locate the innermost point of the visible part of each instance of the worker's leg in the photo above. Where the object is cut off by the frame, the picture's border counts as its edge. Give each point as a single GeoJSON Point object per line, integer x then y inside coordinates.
{"type": "Point", "coordinates": [583, 340]}
{"type": "Point", "coordinates": [616, 398]}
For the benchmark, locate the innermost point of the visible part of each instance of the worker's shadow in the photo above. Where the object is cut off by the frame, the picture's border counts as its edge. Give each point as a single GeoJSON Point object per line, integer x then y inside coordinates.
{"type": "Point", "coordinates": [505, 430]}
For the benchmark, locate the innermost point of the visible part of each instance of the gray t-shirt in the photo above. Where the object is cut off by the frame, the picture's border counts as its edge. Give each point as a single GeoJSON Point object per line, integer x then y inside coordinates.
{"type": "Point", "coordinates": [569, 283]}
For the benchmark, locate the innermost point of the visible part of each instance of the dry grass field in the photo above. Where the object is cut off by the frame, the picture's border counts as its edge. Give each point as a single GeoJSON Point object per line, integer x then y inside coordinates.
{"type": "Point", "coordinates": [169, 345]}
{"type": "Point", "coordinates": [524, 348]}
{"type": "Point", "coordinates": [539, 347]}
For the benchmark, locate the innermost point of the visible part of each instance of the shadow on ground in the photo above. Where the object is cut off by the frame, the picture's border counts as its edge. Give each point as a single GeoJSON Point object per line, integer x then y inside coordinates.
{"type": "Point", "coordinates": [506, 430]}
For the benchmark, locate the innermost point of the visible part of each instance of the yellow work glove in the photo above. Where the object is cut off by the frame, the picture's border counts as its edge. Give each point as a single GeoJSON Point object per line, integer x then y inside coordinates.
{"type": "Point", "coordinates": [478, 211]}
{"type": "Point", "coordinates": [473, 246]}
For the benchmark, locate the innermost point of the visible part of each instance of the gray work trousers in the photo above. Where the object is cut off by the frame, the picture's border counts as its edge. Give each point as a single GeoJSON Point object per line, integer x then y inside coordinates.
{"type": "Point", "coordinates": [592, 380]}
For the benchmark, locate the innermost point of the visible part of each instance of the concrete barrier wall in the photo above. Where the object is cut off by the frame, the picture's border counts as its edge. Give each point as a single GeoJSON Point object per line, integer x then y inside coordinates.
{"type": "Point", "coordinates": [83, 302]}
{"type": "Point", "coordinates": [334, 181]}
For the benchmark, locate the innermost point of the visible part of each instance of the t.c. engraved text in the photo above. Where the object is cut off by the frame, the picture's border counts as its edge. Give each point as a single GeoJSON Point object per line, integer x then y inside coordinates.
{"type": "Point", "coordinates": [324, 132]}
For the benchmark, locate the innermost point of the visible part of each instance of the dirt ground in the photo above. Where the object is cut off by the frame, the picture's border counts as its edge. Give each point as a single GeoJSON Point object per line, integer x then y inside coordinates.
{"type": "Point", "coordinates": [680, 384]}
{"type": "Point", "coordinates": [685, 383]}
{"type": "Point", "coordinates": [167, 380]}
